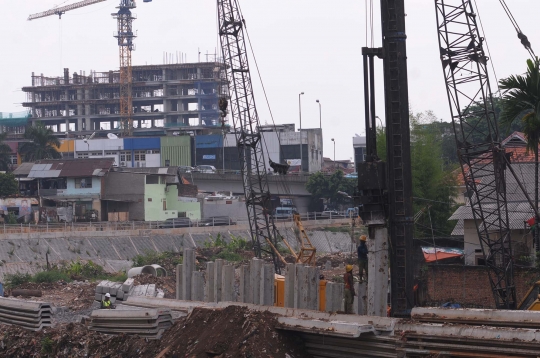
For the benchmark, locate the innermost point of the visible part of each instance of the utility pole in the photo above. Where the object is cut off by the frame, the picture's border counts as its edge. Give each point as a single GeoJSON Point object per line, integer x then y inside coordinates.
{"type": "Point", "coordinates": [301, 144]}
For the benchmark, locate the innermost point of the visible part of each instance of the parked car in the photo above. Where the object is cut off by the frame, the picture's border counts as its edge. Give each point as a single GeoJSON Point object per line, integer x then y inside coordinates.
{"type": "Point", "coordinates": [331, 214]}
{"type": "Point", "coordinates": [205, 169]}
{"type": "Point", "coordinates": [185, 169]}
{"type": "Point", "coordinates": [174, 223]}
{"type": "Point", "coordinates": [216, 221]}
{"type": "Point", "coordinates": [284, 212]}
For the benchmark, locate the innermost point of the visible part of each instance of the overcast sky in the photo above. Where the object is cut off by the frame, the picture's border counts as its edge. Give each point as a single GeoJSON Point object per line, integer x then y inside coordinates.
{"type": "Point", "coordinates": [309, 46]}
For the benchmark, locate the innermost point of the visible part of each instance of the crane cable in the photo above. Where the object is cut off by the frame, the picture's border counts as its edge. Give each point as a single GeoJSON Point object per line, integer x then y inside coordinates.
{"type": "Point", "coordinates": [522, 37]}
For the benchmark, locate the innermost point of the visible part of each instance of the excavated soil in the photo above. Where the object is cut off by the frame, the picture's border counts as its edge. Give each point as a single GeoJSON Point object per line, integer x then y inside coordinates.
{"type": "Point", "coordinates": [232, 332]}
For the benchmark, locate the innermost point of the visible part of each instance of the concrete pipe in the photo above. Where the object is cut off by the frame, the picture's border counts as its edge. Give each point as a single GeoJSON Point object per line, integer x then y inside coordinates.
{"type": "Point", "coordinates": [160, 271]}
{"type": "Point", "coordinates": [148, 270]}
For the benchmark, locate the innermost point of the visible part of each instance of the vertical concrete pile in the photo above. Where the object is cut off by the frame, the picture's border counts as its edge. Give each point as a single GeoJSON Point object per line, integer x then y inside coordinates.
{"type": "Point", "coordinates": [147, 323]}
{"type": "Point", "coordinates": [25, 314]}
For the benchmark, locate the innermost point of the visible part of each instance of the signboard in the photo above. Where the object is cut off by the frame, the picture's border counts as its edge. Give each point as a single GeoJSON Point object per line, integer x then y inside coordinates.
{"type": "Point", "coordinates": [294, 162]}
{"type": "Point", "coordinates": [209, 157]}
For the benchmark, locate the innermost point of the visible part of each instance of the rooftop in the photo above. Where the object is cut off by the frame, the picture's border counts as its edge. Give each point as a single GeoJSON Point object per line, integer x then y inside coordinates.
{"type": "Point", "coordinates": [71, 168]}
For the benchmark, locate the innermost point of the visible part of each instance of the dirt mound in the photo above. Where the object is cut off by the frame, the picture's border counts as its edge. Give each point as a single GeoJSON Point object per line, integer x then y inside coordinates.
{"type": "Point", "coordinates": [222, 333]}
{"type": "Point", "coordinates": [231, 332]}
{"type": "Point", "coordinates": [167, 284]}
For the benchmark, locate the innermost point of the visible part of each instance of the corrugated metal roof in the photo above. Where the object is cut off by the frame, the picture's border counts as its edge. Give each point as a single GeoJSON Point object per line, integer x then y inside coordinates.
{"type": "Point", "coordinates": [23, 169]}
{"type": "Point", "coordinates": [71, 168]}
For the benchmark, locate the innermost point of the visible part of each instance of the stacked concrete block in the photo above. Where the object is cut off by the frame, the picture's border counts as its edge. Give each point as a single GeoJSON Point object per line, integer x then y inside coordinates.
{"type": "Point", "coordinates": [267, 285]}
{"type": "Point", "coordinates": [118, 291]}
{"type": "Point", "coordinates": [289, 285]}
{"type": "Point", "coordinates": [227, 283]}
{"type": "Point", "coordinates": [28, 315]}
{"type": "Point", "coordinates": [246, 294]}
{"type": "Point", "coordinates": [197, 286]}
{"type": "Point", "coordinates": [146, 323]}
{"type": "Point", "coordinates": [218, 274]}
{"type": "Point", "coordinates": [179, 283]}
{"type": "Point", "coordinates": [210, 282]}
{"type": "Point", "coordinates": [255, 273]}
{"type": "Point", "coordinates": [188, 266]}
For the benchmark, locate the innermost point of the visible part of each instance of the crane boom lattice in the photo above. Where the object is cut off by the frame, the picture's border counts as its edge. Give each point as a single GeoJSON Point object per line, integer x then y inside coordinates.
{"type": "Point", "coordinates": [125, 36]}
{"type": "Point", "coordinates": [480, 152]}
{"type": "Point", "coordinates": [246, 123]}
{"type": "Point", "coordinates": [61, 10]}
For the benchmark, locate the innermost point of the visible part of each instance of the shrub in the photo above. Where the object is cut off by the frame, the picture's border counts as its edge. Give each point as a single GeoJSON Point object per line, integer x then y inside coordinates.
{"type": "Point", "coordinates": [50, 276]}
{"type": "Point", "coordinates": [17, 279]}
{"type": "Point", "coordinates": [47, 345]}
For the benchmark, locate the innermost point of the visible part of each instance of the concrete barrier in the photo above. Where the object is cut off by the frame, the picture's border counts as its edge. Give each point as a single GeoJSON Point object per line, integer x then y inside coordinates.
{"type": "Point", "coordinates": [26, 314]}
{"type": "Point", "coordinates": [147, 323]}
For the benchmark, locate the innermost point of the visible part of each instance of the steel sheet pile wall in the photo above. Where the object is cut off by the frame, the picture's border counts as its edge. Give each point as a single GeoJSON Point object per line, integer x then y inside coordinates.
{"type": "Point", "coordinates": [146, 323]}
{"type": "Point", "coordinates": [28, 315]}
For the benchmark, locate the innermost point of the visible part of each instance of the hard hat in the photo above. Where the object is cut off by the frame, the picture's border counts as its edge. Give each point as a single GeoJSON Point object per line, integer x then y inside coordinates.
{"type": "Point", "coordinates": [363, 238]}
{"type": "Point", "coordinates": [348, 268]}
{"type": "Point", "coordinates": [107, 295]}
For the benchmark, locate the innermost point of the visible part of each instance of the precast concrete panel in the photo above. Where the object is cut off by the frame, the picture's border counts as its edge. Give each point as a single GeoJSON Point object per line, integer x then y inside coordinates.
{"type": "Point", "coordinates": [143, 244]}
{"type": "Point", "coordinates": [105, 248]}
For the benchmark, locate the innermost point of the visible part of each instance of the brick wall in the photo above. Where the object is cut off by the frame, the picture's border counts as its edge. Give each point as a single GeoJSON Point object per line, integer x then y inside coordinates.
{"type": "Point", "coordinates": [468, 285]}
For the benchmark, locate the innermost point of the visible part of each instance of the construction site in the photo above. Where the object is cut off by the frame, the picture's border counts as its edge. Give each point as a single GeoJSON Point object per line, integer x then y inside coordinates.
{"type": "Point", "coordinates": [355, 284]}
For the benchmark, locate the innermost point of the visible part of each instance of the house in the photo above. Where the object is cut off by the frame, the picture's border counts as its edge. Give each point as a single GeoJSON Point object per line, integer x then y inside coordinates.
{"type": "Point", "coordinates": [147, 194]}
{"type": "Point", "coordinates": [519, 209]}
{"type": "Point", "coordinates": [329, 166]}
{"type": "Point", "coordinates": [72, 184]}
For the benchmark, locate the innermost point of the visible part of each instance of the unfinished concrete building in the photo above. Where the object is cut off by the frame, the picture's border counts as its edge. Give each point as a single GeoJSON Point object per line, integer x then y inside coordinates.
{"type": "Point", "coordinates": [166, 99]}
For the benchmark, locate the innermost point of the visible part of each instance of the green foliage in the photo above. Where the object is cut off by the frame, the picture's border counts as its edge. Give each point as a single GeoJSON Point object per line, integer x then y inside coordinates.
{"type": "Point", "coordinates": [321, 186]}
{"type": "Point", "coordinates": [47, 345]}
{"type": "Point", "coordinates": [230, 251]}
{"type": "Point", "coordinates": [16, 279]}
{"type": "Point", "coordinates": [153, 257]}
{"type": "Point", "coordinates": [8, 184]}
{"type": "Point", "coordinates": [5, 152]}
{"type": "Point", "coordinates": [11, 219]}
{"type": "Point", "coordinates": [42, 145]}
{"type": "Point", "coordinates": [50, 276]}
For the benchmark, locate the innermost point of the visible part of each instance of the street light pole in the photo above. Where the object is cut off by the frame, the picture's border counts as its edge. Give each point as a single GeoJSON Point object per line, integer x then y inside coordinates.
{"type": "Point", "coordinates": [301, 144]}
{"type": "Point", "coordinates": [320, 115]}
{"type": "Point", "coordinates": [334, 153]}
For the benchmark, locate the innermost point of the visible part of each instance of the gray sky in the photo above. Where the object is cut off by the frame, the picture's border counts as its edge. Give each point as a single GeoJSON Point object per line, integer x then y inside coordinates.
{"type": "Point", "coordinates": [312, 46]}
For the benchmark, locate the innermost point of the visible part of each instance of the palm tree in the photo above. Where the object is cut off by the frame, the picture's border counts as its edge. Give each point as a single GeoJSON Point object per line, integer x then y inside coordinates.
{"type": "Point", "coordinates": [5, 152]}
{"type": "Point", "coordinates": [43, 145]}
{"type": "Point", "coordinates": [521, 101]}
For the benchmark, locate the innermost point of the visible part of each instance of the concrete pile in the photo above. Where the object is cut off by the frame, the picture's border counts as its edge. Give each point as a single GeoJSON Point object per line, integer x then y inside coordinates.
{"type": "Point", "coordinates": [121, 291]}
{"type": "Point", "coordinates": [146, 323]}
{"type": "Point", "coordinates": [28, 315]}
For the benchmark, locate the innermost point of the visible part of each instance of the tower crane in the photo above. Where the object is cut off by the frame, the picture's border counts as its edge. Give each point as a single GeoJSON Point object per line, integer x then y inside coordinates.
{"type": "Point", "coordinates": [125, 36]}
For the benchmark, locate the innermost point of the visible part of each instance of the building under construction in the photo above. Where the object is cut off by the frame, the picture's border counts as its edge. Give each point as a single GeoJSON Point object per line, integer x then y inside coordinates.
{"type": "Point", "coordinates": [166, 99]}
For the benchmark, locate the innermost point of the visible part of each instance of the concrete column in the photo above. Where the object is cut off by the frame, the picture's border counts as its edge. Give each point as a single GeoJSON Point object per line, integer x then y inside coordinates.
{"type": "Point", "coordinates": [360, 301]}
{"type": "Point", "coordinates": [256, 268]}
{"type": "Point", "coordinates": [330, 294]}
{"type": "Point", "coordinates": [312, 298]}
{"type": "Point", "coordinates": [179, 285]}
{"type": "Point", "coordinates": [300, 286]}
{"type": "Point", "coordinates": [218, 269]}
{"type": "Point", "coordinates": [246, 294]}
{"type": "Point", "coordinates": [227, 284]}
{"type": "Point", "coordinates": [267, 285]}
{"type": "Point", "coordinates": [289, 286]}
{"type": "Point", "coordinates": [197, 286]}
{"type": "Point", "coordinates": [377, 289]}
{"type": "Point", "coordinates": [88, 123]}
{"type": "Point", "coordinates": [79, 124]}
{"type": "Point", "coordinates": [210, 282]}
{"type": "Point", "coordinates": [187, 269]}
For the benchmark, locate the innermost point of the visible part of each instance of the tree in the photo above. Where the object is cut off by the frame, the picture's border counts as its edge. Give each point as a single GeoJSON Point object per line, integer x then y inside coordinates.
{"type": "Point", "coordinates": [8, 185]}
{"type": "Point", "coordinates": [521, 103]}
{"type": "Point", "coordinates": [433, 183]}
{"type": "Point", "coordinates": [327, 187]}
{"type": "Point", "coordinates": [5, 152]}
{"type": "Point", "coordinates": [43, 145]}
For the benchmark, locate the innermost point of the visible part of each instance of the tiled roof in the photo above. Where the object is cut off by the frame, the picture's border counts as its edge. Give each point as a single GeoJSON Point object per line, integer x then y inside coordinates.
{"type": "Point", "coordinates": [70, 168]}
